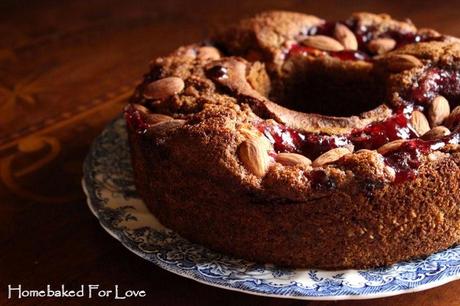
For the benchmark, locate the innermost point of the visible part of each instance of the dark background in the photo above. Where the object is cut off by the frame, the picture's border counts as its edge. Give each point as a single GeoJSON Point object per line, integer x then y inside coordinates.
{"type": "Point", "coordinates": [66, 69]}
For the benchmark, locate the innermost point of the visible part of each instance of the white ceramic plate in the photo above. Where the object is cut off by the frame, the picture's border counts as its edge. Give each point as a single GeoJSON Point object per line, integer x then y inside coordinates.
{"type": "Point", "coordinates": [112, 197]}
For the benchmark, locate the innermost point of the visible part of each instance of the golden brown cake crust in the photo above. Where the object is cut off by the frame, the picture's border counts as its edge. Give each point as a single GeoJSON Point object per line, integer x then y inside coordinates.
{"type": "Point", "coordinates": [226, 152]}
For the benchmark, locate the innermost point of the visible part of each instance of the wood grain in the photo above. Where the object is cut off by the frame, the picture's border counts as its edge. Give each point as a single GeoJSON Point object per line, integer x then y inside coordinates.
{"type": "Point", "coordinates": [66, 69]}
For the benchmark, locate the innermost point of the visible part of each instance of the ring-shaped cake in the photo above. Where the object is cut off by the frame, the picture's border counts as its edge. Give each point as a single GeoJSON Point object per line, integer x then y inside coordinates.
{"type": "Point", "coordinates": [291, 140]}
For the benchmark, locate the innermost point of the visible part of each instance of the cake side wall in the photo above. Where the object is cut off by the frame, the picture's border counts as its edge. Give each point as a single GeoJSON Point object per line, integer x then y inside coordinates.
{"type": "Point", "coordinates": [338, 230]}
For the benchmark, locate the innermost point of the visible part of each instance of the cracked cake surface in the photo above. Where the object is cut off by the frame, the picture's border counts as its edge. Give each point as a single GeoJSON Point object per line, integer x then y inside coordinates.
{"type": "Point", "coordinates": [292, 140]}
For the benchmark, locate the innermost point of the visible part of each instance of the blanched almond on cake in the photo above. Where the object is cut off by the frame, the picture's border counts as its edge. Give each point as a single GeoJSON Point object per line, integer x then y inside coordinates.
{"type": "Point", "coordinates": [330, 156]}
{"type": "Point", "coordinates": [254, 155]}
{"type": "Point", "coordinates": [381, 45]}
{"type": "Point", "coordinates": [390, 146]}
{"type": "Point", "coordinates": [439, 110]}
{"type": "Point", "coordinates": [163, 88]}
{"type": "Point", "coordinates": [292, 159]}
{"type": "Point", "coordinates": [436, 133]}
{"type": "Point", "coordinates": [401, 62]}
{"type": "Point", "coordinates": [322, 42]}
{"type": "Point", "coordinates": [345, 36]}
{"type": "Point", "coordinates": [419, 122]}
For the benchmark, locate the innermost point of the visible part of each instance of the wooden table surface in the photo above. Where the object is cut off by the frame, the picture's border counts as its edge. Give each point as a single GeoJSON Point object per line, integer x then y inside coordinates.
{"type": "Point", "coordinates": [66, 69]}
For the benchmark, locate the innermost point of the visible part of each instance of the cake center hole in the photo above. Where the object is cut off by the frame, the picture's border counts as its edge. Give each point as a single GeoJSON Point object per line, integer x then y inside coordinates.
{"type": "Point", "coordinates": [312, 87]}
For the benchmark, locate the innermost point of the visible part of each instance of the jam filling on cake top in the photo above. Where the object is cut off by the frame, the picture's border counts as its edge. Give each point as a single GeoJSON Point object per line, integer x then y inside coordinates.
{"type": "Point", "coordinates": [434, 82]}
{"type": "Point", "coordinates": [405, 160]}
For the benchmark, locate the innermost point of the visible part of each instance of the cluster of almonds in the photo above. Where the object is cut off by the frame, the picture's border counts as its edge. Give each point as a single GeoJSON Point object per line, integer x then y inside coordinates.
{"type": "Point", "coordinates": [345, 39]}
{"type": "Point", "coordinates": [254, 152]}
{"type": "Point", "coordinates": [438, 113]}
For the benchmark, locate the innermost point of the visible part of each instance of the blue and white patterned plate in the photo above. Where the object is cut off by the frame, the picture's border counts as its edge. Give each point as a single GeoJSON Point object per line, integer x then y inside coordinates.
{"type": "Point", "coordinates": [112, 197]}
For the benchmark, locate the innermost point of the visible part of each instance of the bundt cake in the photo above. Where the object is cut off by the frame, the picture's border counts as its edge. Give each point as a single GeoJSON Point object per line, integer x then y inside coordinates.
{"type": "Point", "coordinates": [292, 140]}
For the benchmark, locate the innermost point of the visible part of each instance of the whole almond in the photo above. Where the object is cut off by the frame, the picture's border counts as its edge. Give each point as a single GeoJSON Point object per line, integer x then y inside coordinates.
{"type": "Point", "coordinates": [419, 122]}
{"type": "Point", "coordinates": [322, 42]}
{"type": "Point", "coordinates": [381, 45]}
{"type": "Point", "coordinates": [254, 155]}
{"type": "Point", "coordinates": [452, 121]}
{"type": "Point", "coordinates": [150, 117]}
{"type": "Point", "coordinates": [164, 127]}
{"type": "Point", "coordinates": [436, 133]}
{"type": "Point", "coordinates": [439, 110]}
{"type": "Point", "coordinates": [164, 88]}
{"type": "Point", "coordinates": [330, 156]}
{"type": "Point", "coordinates": [364, 151]}
{"type": "Point", "coordinates": [401, 62]}
{"type": "Point", "coordinates": [390, 146]}
{"type": "Point", "coordinates": [345, 36]}
{"type": "Point", "coordinates": [208, 52]}
{"type": "Point", "coordinates": [157, 118]}
{"type": "Point", "coordinates": [428, 32]}
{"type": "Point", "coordinates": [292, 159]}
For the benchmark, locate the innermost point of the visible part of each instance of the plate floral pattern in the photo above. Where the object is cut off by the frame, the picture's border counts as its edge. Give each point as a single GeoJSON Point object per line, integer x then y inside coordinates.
{"type": "Point", "coordinates": [108, 184]}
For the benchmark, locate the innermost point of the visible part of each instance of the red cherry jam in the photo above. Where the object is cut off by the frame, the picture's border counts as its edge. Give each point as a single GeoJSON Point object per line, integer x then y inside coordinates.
{"type": "Point", "coordinates": [409, 38]}
{"type": "Point", "coordinates": [321, 181]}
{"type": "Point", "coordinates": [407, 158]}
{"type": "Point", "coordinates": [432, 83]}
{"type": "Point", "coordinates": [377, 134]}
{"type": "Point", "coordinates": [312, 145]}
{"type": "Point", "coordinates": [217, 72]}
